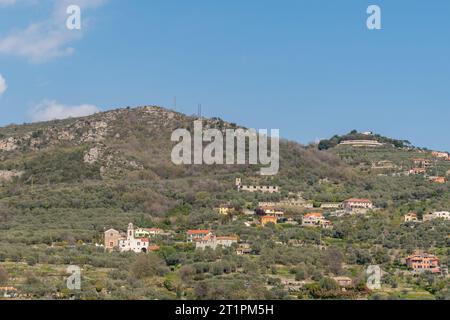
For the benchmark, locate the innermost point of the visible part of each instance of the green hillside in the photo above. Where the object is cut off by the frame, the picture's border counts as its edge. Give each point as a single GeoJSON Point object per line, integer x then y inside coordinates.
{"type": "Point", "coordinates": [63, 183]}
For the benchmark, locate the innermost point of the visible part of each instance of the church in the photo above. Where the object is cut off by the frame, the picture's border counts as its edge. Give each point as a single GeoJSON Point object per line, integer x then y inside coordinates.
{"type": "Point", "coordinates": [128, 242]}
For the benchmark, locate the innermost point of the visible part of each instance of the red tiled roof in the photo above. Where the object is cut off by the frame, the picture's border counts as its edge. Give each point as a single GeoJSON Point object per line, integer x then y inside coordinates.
{"type": "Point", "coordinates": [313, 215]}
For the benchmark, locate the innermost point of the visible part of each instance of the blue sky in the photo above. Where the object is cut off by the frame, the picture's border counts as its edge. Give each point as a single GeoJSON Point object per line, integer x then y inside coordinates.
{"type": "Point", "coordinates": [310, 68]}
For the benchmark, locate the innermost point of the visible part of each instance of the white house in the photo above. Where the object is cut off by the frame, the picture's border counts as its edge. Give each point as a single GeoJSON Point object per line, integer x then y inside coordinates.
{"type": "Point", "coordinates": [213, 242]}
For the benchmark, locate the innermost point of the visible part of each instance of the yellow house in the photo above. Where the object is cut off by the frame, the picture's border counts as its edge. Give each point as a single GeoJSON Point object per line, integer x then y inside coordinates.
{"type": "Point", "coordinates": [225, 209]}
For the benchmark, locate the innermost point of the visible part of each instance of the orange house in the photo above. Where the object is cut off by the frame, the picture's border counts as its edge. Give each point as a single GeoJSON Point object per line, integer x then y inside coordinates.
{"type": "Point", "coordinates": [440, 180]}
{"type": "Point", "coordinates": [423, 262]}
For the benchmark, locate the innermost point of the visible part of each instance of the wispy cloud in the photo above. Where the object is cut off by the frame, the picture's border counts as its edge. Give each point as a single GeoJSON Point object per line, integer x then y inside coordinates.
{"type": "Point", "coordinates": [47, 39]}
{"type": "Point", "coordinates": [3, 85]}
{"type": "Point", "coordinates": [51, 110]}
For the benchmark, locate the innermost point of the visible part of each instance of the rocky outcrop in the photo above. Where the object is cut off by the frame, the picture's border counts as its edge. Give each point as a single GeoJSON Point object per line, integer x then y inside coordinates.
{"type": "Point", "coordinates": [9, 144]}
{"type": "Point", "coordinates": [92, 155]}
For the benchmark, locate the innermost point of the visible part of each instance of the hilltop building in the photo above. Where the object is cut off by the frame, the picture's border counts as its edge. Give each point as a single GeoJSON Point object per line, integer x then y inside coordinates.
{"type": "Point", "coordinates": [361, 143]}
{"type": "Point", "coordinates": [263, 189]}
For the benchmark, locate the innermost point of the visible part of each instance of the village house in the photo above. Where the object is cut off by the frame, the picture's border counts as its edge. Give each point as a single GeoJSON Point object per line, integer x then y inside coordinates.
{"type": "Point", "coordinates": [315, 220]}
{"type": "Point", "coordinates": [440, 180]}
{"type": "Point", "coordinates": [417, 171]}
{"type": "Point", "coordinates": [253, 188]}
{"type": "Point", "coordinates": [442, 215]}
{"type": "Point", "coordinates": [439, 154]}
{"type": "Point", "coordinates": [244, 249]}
{"type": "Point", "coordinates": [194, 235]}
{"type": "Point", "coordinates": [330, 206]}
{"type": "Point", "coordinates": [212, 241]}
{"type": "Point", "coordinates": [357, 205]}
{"type": "Point", "coordinates": [225, 209]}
{"type": "Point", "coordinates": [384, 164]}
{"type": "Point", "coordinates": [423, 262]}
{"type": "Point", "coordinates": [272, 211]}
{"type": "Point", "coordinates": [411, 217]}
{"type": "Point", "coordinates": [148, 232]}
{"type": "Point", "coordinates": [422, 162]}
{"type": "Point", "coordinates": [111, 239]}
{"type": "Point", "coordinates": [344, 282]}
{"type": "Point", "coordinates": [8, 292]}
{"type": "Point", "coordinates": [436, 215]}
{"type": "Point", "coordinates": [268, 219]}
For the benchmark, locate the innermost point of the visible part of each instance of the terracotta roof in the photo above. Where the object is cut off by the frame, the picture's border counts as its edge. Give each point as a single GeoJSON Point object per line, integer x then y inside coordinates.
{"type": "Point", "coordinates": [227, 238]}
{"type": "Point", "coordinates": [313, 215]}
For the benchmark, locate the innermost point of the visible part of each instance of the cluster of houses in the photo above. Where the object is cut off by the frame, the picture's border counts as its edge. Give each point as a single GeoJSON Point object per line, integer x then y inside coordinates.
{"type": "Point", "coordinates": [413, 217]}
{"type": "Point", "coordinates": [207, 239]}
{"type": "Point", "coordinates": [135, 239]}
{"type": "Point", "coordinates": [422, 164]}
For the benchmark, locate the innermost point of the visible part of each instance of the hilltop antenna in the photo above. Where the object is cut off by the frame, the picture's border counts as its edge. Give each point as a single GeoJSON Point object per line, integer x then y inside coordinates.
{"type": "Point", "coordinates": [200, 111]}
{"type": "Point", "coordinates": [175, 103]}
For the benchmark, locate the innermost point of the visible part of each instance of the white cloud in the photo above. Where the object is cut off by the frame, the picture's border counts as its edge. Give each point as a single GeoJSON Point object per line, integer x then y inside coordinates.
{"type": "Point", "coordinates": [3, 85]}
{"type": "Point", "coordinates": [47, 39]}
{"type": "Point", "coordinates": [51, 110]}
